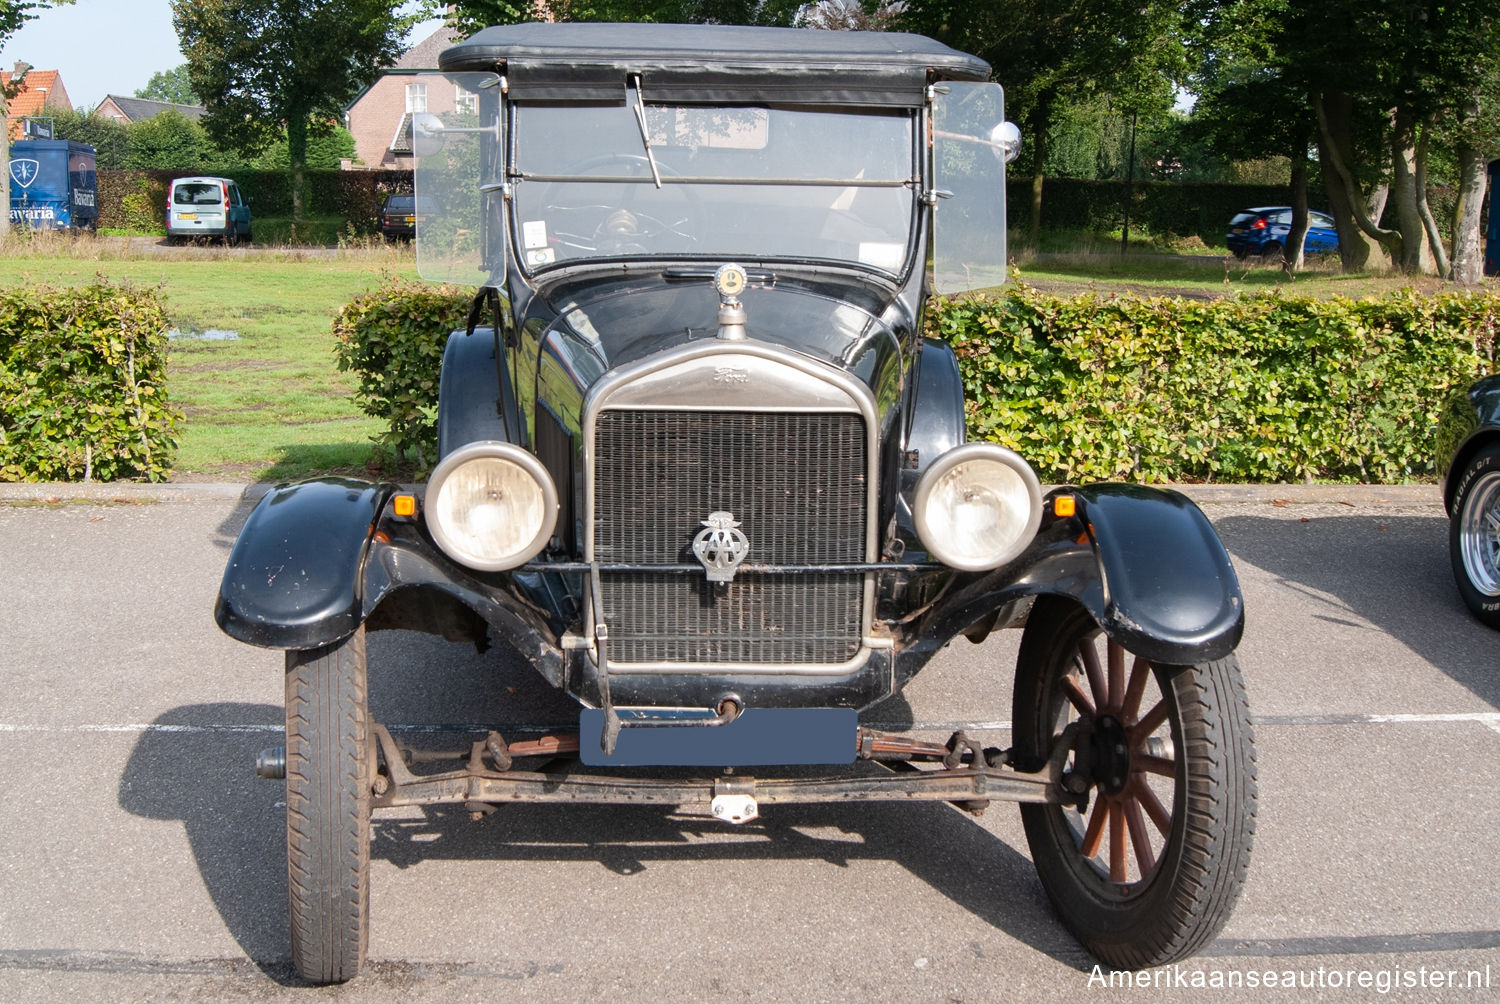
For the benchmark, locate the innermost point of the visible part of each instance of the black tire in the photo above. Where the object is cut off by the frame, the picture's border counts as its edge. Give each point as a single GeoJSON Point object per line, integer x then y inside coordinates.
{"type": "Point", "coordinates": [1474, 535]}
{"type": "Point", "coordinates": [328, 809]}
{"type": "Point", "coordinates": [246, 238]}
{"type": "Point", "coordinates": [1189, 772]}
{"type": "Point", "coordinates": [1271, 253]}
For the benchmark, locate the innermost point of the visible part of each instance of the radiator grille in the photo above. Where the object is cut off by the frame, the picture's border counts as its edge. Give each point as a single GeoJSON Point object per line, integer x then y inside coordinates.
{"type": "Point", "coordinates": [797, 484]}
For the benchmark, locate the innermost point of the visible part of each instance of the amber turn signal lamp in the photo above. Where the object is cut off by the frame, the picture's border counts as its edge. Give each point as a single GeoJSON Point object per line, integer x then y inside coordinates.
{"type": "Point", "coordinates": [404, 505]}
{"type": "Point", "coordinates": [1064, 506]}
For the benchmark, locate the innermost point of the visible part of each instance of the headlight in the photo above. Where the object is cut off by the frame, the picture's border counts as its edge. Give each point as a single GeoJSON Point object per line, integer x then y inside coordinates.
{"type": "Point", "coordinates": [491, 506]}
{"type": "Point", "coordinates": [977, 507]}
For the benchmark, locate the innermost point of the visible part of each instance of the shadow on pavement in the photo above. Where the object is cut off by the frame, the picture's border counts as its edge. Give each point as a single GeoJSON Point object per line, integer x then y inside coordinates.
{"type": "Point", "coordinates": [194, 765]}
{"type": "Point", "coordinates": [1392, 572]}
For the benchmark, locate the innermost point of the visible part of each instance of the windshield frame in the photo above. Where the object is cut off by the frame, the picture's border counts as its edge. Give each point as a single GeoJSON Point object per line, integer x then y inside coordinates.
{"type": "Point", "coordinates": [892, 260]}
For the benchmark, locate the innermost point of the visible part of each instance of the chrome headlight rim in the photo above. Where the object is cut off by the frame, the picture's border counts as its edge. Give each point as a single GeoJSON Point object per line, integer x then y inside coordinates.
{"type": "Point", "coordinates": [941, 548]}
{"type": "Point", "coordinates": [490, 450]}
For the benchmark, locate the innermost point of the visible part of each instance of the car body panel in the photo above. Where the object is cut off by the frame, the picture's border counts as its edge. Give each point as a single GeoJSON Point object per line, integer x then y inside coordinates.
{"type": "Point", "coordinates": [294, 576]}
{"type": "Point", "coordinates": [1469, 422]}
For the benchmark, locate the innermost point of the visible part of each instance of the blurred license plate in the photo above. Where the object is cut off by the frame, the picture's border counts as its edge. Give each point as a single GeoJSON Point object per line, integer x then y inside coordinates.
{"type": "Point", "coordinates": [1237, 230]}
{"type": "Point", "coordinates": [759, 737]}
{"type": "Point", "coordinates": [187, 216]}
{"type": "Point", "coordinates": [411, 219]}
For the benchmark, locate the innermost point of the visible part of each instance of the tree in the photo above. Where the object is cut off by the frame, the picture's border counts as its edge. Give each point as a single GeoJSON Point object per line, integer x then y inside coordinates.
{"type": "Point", "coordinates": [1048, 53]}
{"type": "Point", "coordinates": [1247, 108]}
{"type": "Point", "coordinates": [171, 85]}
{"type": "Point", "coordinates": [264, 65]}
{"type": "Point", "coordinates": [1384, 78]}
{"type": "Point", "coordinates": [109, 138]}
{"type": "Point", "coordinates": [170, 141]}
{"type": "Point", "coordinates": [324, 151]}
{"type": "Point", "coordinates": [13, 14]}
{"type": "Point", "coordinates": [469, 16]}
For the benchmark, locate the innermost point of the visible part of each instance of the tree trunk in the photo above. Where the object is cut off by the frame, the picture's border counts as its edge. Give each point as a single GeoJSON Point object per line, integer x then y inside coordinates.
{"type": "Point", "coordinates": [4, 167]}
{"type": "Point", "coordinates": [1036, 125]}
{"type": "Point", "coordinates": [1429, 225]}
{"type": "Point", "coordinates": [1297, 237]}
{"type": "Point", "coordinates": [1359, 234]}
{"type": "Point", "coordinates": [1468, 250]}
{"type": "Point", "coordinates": [1414, 256]}
{"type": "Point", "coordinates": [296, 148]}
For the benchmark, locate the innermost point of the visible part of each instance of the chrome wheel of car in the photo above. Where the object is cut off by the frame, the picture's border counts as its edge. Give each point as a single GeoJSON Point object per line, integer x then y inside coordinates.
{"type": "Point", "coordinates": [1146, 868]}
{"type": "Point", "coordinates": [1474, 535]}
{"type": "Point", "coordinates": [1480, 535]}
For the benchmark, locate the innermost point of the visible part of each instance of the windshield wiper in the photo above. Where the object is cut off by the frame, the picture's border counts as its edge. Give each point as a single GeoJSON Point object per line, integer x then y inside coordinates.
{"type": "Point", "coordinates": [640, 118]}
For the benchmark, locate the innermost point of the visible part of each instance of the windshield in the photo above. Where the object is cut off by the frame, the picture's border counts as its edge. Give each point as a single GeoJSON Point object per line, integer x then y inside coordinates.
{"type": "Point", "coordinates": [609, 181]}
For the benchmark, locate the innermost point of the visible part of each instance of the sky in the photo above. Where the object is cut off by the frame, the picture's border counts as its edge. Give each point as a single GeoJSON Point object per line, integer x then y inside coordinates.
{"type": "Point", "coordinates": [105, 46]}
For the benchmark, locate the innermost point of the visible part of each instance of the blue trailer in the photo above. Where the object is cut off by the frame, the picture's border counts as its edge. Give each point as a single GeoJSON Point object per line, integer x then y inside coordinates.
{"type": "Point", "coordinates": [53, 185]}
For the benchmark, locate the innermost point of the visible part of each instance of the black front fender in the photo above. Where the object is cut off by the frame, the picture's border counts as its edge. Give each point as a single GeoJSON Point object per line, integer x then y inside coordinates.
{"type": "Point", "coordinates": [1169, 591]}
{"type": "Point", "coordinates": [295, 574]}
{"type": "Point", "coordinates": [1145, 562]}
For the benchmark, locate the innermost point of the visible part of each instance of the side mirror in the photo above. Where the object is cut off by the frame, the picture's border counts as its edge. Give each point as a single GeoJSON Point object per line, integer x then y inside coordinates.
{"type": "Point", "coordinates": [426, 134]}
{"type": "Point", "coordinates": [1007, 140]}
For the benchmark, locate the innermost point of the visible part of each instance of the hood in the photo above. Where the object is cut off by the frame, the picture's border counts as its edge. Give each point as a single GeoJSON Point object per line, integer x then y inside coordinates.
{"type": "Point", "coordinates": [843, 321]}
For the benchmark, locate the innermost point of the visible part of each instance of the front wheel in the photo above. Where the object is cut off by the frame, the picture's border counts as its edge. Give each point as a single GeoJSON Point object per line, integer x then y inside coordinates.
{"type": "Point", "coordinates": [328, 809]}
{"type": "Point", "coordinates": [1147, 869]}
{"type": "Point", "coordinates": [1474, 535]}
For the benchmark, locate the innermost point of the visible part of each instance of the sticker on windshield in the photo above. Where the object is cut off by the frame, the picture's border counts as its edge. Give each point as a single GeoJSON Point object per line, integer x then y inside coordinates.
{"type": "Point", "coordinates": [534, 233]}
{"type": "Point", "coordinates": [540, 256]}
{"type": "Point", "coordinates": [882, 255]}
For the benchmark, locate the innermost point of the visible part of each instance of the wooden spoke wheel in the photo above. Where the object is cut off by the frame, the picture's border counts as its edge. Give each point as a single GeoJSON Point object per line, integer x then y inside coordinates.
{"type": "Point", "coordinates": [1146, 868]}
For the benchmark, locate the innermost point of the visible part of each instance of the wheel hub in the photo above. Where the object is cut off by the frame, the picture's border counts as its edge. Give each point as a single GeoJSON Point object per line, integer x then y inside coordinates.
{"type": "Point", "coordinates": [1108, 765]}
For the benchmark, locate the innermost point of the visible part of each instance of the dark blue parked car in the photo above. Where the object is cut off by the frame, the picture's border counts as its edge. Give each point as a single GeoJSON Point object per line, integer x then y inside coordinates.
{"type": "Point", "coordinates": [1263, 232]}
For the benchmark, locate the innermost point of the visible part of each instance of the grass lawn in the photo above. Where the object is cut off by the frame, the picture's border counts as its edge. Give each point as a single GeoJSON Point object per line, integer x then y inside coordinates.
{"type": "Point", "coordinates": [1205, 276]}
{"type": "Point", "coordinates": [268, 404]}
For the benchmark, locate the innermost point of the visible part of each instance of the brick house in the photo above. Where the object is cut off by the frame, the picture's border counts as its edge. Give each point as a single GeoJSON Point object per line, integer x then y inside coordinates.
{"type": "Point", "coordinates": [41, 91]}
{"type": "Point", "coordinates": [379, 118]}
{"type": "Point", "coordinates": [127, 110]}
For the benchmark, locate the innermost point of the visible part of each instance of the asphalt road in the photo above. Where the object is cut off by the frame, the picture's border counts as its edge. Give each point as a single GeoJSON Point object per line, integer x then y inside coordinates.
{"type": "Point", "coordinates": [142, 858]}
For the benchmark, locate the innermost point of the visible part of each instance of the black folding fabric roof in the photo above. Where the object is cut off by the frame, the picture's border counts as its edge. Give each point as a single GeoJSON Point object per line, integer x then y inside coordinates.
{"type": "Point", "coordinates": [713, 63]}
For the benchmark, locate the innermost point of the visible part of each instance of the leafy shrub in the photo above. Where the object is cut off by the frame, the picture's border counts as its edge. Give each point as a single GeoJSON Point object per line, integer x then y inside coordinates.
{"type": "Point", "coordinates": [1090, 388]}
{"type": "Point", "coordinates": [394, 340]}
{"type": "Point", "coordinates": [83, 385]}
{"type": "Point", "coordinates": [1258, 389]}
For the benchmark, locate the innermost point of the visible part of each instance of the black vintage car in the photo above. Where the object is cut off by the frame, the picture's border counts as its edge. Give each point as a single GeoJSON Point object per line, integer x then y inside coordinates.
{"type": "Point", "coordinates": [1469, 457]}
{"type": "Point", "coordinates": [700, 467]}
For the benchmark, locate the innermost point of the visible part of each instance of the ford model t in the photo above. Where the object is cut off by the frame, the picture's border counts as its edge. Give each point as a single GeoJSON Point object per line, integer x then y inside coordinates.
{"type": "Point", "coordinates": [701, 469]}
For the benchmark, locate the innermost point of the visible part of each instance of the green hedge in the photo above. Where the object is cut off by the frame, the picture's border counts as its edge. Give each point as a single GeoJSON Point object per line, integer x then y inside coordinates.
{"type": "Point", "coordinates": [83, 385]}
{"type": "Point", "coordinates": [393, 339]}
{"type": "Point", "coordinates": [1258, 389]}
{"type": "Point", "coordinates": [1089, 388]}
{"type": "Point", "coordinates": [138, 199]}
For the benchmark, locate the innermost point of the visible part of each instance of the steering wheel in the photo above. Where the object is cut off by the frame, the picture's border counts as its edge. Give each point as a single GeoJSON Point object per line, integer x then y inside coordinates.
{"type": "Point", "coordinates": [617, 229]}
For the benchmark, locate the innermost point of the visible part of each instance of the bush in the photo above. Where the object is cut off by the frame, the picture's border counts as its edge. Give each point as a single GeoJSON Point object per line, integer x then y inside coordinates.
{"type": "Point", "coordinates": [1101, 388]}
{"type": "Point", "coordinates": [394, 340]}
{"type": "Point", "coordinates": [83, 385]}
{"type": "Point", "coordinates": [1259, 389]}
